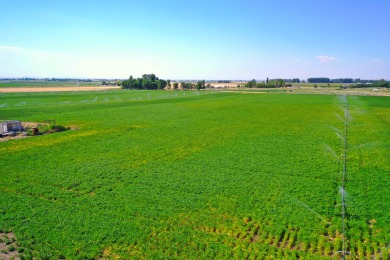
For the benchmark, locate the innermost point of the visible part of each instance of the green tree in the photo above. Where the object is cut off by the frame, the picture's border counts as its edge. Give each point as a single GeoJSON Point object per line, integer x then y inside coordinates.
{"type": "Point", "coordinates": [184, 85]}
{"type": "Point", "coordinates": [148, 81]}
{"type": "Point", "coordinates": [139, 83]}
{"type": "Point", "coordinates": [200, 85]}
{"type": "Point", "coordinates": [169, 84]}
{"type": "Point", "coordinates": [251, 84]}
{"type": "Point", "coordinates": [175, 85]}
{"type": "Point", "coordinates": [151, 77]}
{"type": "Point", "coordinates": [261, 85]}
{"type": "Point", "coordinates": [295, 80]}
{"type": "Point", "coordinates": [381, 84]}
{"type": "Point", "coordinates": [161, 84]}
{"type": "Point", "coordinates": [132, 83]}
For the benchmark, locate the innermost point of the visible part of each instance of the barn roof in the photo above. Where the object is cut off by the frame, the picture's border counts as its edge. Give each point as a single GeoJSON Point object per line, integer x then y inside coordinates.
{"type": "Point", "coordinates": [10, 121]}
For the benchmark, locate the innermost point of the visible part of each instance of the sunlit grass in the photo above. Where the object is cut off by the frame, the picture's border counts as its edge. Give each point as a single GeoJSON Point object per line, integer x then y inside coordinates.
{"type": "Point", "coordinates": [190, 174]}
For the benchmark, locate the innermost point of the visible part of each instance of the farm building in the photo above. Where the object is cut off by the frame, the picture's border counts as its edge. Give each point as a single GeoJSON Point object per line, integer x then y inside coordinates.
{"type": "Point", "coordinates": [9, 126]}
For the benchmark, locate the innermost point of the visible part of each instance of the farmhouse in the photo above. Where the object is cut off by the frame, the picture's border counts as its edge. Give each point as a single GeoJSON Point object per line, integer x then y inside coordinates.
{"type": "Point", "coordinates": [9, 126]}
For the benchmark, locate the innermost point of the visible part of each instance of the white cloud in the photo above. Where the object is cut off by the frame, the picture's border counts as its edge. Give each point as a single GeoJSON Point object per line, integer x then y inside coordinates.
{"type": "Point", "coordinates": [376, 61]}
{"type": "Point", "coordinates": [325, 58]}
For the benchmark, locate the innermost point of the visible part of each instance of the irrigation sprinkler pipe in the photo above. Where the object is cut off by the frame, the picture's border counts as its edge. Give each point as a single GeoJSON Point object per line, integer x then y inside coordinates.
{"type": "Point", "coordinates": [344, 172]}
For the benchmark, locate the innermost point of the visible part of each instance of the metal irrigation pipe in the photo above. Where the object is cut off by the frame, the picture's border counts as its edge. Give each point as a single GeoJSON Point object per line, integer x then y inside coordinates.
{"type": "Point", "coordinates": [344, 173]}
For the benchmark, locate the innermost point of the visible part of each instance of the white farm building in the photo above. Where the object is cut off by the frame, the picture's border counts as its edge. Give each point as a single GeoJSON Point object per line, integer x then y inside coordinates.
{"type": "Point", "coordinates": [10, 126]}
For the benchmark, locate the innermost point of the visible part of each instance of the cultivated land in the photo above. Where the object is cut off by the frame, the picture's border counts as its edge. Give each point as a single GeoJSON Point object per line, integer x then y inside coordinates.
{"type": "Point", "coordinates": [197, 174]}
{"type": "Point", "coordinates": [54, 89]}
{"type": "Point", "coordinates": [15, 86]}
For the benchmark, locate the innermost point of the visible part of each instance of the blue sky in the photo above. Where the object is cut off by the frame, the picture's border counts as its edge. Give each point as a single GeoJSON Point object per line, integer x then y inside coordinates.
{"type": "Point", "coordinates": [214, 39]}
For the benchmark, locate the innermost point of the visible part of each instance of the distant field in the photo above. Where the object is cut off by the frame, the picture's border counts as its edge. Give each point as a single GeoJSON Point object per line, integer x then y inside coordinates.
{"type": "Point", "coordinates": [319, 84]}
{"type": "Point", "coordinates": [311, 90]}
{"type": "Point", "coordinates": [42, 83]}
{"type": "Point", "coordinates": [55, 89]}
{"type": "Point", "coordinates": [300, 88]}
{"type": "Point", "coordinates": [197, 175]}
{"type": "Point", "coordinates": [48, 86]}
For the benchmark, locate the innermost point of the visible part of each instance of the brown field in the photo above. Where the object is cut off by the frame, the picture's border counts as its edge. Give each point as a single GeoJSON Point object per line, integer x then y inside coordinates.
{"type": "Point", "coordinates": [54, 89]}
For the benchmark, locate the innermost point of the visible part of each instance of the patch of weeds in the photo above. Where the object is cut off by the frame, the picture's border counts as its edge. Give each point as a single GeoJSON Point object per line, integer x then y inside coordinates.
{"type": "Point", "coordinates": [46, 129]}
{"type": "Point", "coordinates": [26, 257]}
{"type": "Point", "coordinates": [30, 132]}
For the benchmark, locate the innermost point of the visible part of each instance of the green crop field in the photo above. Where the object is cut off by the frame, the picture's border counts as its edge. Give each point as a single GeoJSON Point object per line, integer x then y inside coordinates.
{"type": "Point", "coordinates": [198, 175]}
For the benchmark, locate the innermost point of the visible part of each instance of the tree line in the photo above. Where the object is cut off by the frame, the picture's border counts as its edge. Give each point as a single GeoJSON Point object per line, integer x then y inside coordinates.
{"type": "Point", "coordinates": [151, 81]}
{"type": "Point", "coordinates": [273, 83]}
{"type": "Point", "coordinates": [328, 80]}
{"type": "Point", "coordinates": [377, 84]}
{"type": "Point", "coordinates": [343, 80]}
{"type": "Point", "coordinates": [201, 84]}
{"type": "Point", "coordinates": [148, 81]}
{"type": "Point", "coordinates": [318, 80]}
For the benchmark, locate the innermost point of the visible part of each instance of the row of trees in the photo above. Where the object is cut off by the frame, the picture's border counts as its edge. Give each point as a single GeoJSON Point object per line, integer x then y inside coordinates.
{"type": "Point", "coordinates": [294, 80]}
{"type": "Point", "coordinates": [198, 86]}
{"type": "Point", "coordinates": [273, 83]}
{"type": "Point", "coordinates": [340, 80]}
{"type": "Point", "coordinates": [377, 84]}
{"type": "Point", "coordinates": [151, 81]}
{"type": "Point", "coordinates": [328, 80]}
{"type": "Point", "coordinates": [364, 81]}
{"type": "Point", "coordinates": [148, 81]}
{"type": "Point", "coordinates": [318, 80]}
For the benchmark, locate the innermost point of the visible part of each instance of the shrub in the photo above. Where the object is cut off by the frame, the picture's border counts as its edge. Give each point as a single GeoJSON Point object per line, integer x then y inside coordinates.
{"type": "Point", "coordinates": [44, 129]}
{"type": "Point", "coordinates": [58, 128]}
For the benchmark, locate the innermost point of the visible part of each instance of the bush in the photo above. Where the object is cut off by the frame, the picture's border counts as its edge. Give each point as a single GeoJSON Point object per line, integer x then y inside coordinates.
{"type": "Point", "coordinates": [30, 132]}
{"type": "Point", "coordinates": [58, 128]}
{"type": "Point", "coordinates": [44, 129]}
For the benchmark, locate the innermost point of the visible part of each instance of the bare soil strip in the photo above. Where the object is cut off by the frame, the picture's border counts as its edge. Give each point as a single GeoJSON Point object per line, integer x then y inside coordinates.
{"type": "Point", "coordinates": [8, 246]}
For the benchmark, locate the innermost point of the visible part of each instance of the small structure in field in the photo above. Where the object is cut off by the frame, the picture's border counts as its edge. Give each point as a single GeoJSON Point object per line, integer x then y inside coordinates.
{"type": "Point", "coordinates": [10, 126]}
